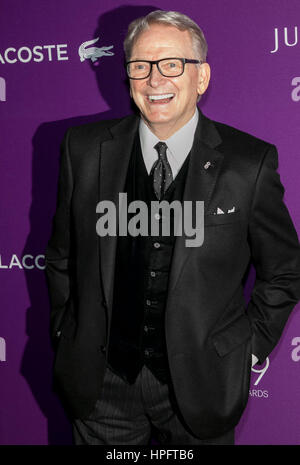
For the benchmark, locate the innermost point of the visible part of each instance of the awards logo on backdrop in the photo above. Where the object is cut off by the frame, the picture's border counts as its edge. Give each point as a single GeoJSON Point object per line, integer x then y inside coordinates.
{"type": "Point", "coordinates": [2, 90]}
{"type": "Point", "coordinates": [286, 41]}
{"type": "Point", "coordinates": [2, 350]}
{"type": "Point", "coordinates": [296, 90]}
{"type": "Point", "coordinates": [28, 262]}
{"type": "Point", "coordinates": [37, 53]}
{"type": "Point", "coordinates": [79, 78]}
{"type": "Point", "coordinates": [288, 37]}
{"type": "Point", "coordinates": [54, 53]}
{"type": "Point", "coordinates": [296, 351]}
{"type": "Point", "coordinates": [260, 393]}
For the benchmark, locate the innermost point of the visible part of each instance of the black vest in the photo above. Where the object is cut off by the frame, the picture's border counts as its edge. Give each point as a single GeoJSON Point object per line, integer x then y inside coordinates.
{"type": "Point", "coordinates": [137, 334]}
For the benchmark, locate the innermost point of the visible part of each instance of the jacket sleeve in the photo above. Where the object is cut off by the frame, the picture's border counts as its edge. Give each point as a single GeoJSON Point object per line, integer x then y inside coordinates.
{"type": "Point", "coordinates": [275, 254]}
{"type": "Point", "coordinates": [58, 252]}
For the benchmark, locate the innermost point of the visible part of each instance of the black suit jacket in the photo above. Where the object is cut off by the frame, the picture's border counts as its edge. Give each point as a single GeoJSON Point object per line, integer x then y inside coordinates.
{"type": "Point", "coordinates": [210, 333]}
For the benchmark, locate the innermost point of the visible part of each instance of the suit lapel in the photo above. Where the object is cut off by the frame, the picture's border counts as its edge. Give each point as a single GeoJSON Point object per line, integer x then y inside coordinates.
{"type": "Point", "coordinates": [114, 159]}
{"type": "Point", "coordinates": [199, 185]}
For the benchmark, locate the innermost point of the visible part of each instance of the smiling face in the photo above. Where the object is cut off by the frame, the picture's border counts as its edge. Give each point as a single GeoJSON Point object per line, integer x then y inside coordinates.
{"type": "Point", "coordinates": [167, 116]}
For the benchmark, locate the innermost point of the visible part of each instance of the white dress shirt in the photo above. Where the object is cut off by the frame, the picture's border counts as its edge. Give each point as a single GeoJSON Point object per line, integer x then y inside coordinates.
{"type": "Point", "coordinates": [179, 146]}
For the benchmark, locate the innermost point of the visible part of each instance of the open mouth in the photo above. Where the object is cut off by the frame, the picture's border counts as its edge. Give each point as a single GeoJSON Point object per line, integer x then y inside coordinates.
{"type": "Point", "coordinates": [161, 98]}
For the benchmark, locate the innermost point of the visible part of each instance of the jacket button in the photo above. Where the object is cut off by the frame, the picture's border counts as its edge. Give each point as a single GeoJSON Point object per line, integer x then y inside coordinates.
{"type": "Point", "coordinates": [103, 349]}
{"type": "Point", "coordinates": [104, 303]}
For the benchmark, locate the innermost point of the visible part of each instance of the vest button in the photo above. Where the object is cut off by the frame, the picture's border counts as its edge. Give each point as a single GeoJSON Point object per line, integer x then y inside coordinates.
{"type": "Point", "coordinates": [153, 274]}
{"type": "Point", "coordinates": [148, 302]}
{"type": "Point", "coordinates": [147, 353]}
{"type": "Point", "coordinates": [156, 245]}
{"type": "Point", "coordinates": [146, 328]}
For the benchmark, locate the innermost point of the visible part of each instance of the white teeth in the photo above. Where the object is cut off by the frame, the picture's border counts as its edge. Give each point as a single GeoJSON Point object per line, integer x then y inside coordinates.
{"type": "Point", "coordinates": [160, 97]}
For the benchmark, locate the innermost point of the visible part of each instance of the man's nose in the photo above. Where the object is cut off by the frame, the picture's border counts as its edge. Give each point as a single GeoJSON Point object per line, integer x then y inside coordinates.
{"type": "Point", "coordinates": [155, 77]}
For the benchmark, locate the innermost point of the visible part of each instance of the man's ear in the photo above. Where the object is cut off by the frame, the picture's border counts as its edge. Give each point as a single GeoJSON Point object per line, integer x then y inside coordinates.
{"type": "Point", "coordinates": [204, 78]}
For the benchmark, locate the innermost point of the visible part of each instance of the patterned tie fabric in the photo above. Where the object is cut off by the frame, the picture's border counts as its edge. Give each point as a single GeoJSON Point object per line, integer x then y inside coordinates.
{"type": "Point", "coordinates": [161, 171]}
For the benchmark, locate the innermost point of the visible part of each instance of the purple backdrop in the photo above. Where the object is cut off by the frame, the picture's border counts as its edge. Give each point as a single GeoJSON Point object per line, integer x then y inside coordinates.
{"type": "Point", "coordinates": [45, 88]}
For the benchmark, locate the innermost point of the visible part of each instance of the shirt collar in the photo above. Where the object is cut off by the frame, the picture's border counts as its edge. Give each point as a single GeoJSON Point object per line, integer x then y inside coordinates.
{"type": "Point", "coordinates": [179, 144]}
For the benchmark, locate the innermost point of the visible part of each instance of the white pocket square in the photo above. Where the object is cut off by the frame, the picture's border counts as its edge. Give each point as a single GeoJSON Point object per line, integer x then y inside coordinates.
{"type": "Point", "coordinates": [221, 212]}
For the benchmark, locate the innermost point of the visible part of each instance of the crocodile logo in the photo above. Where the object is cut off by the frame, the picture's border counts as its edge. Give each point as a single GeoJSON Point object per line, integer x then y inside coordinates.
{"type": "Point", "coordinates": [93, 53]}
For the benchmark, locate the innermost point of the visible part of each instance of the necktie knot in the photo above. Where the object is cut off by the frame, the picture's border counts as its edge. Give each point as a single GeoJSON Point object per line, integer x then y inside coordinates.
{"type": "Point", "coordinates": [161, 148]}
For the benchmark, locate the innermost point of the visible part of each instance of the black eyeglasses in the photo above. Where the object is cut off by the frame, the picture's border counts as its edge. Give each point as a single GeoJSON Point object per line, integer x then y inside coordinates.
{"type": "Point", "coordinates": [168, 67]}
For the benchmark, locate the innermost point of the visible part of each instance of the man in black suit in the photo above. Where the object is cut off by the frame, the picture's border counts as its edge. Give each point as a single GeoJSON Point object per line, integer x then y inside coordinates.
{"type": "Point", "coordinates": [150, 332]}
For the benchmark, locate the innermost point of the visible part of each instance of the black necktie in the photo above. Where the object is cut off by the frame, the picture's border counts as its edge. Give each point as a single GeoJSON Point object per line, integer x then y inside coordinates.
{"type": "Point", "coordinates": [161, 171]}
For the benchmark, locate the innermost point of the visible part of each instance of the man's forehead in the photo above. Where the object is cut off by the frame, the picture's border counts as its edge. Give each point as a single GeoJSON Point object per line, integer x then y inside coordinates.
{"type": "Point", "coordinates": [160, 38]}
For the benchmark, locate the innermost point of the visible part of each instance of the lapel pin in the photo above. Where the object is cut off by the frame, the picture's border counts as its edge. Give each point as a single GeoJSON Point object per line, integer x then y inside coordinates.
{"type": "Point", "coordinates": [207, 165]}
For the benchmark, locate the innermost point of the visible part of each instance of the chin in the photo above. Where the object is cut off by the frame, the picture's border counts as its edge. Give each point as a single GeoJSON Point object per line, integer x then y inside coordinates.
{"type": "Point", "coordinates": [157, 118]}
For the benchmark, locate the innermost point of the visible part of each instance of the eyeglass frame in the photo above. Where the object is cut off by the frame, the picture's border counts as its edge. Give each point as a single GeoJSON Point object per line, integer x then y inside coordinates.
{"type": "Point", "coordinates": [156, 62]}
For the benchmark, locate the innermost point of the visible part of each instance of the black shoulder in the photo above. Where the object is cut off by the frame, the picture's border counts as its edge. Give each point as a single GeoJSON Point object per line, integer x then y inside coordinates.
{"type": "Point", "coordinates": [88, 136]}
{"type": "Point", "coordinates": [96, 129]}
{"type": "Point", "coordinates": [235, 140]}
{"type": "Point", "coordinates": [243, 153]}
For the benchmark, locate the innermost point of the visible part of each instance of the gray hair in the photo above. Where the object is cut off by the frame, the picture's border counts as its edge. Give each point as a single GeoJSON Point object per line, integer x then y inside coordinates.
{"type": "Point", "coordinates": [169, 18]}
